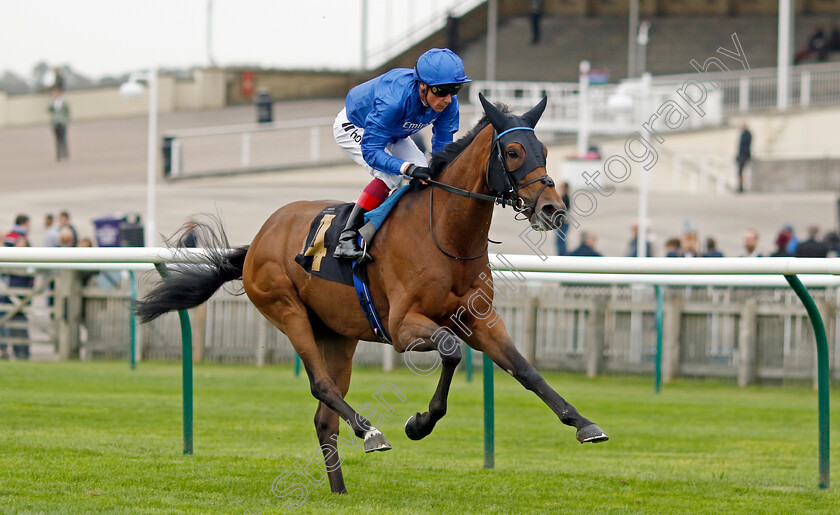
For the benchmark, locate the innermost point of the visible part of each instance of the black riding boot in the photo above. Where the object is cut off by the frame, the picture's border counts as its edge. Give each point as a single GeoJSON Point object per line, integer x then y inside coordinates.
{"type": "Point", "coordinates": [348, 242]}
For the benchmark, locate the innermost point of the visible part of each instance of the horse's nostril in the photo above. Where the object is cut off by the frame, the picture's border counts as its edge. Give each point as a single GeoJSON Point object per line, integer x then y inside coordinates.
{"type": "Point", "coordinates": [551, 215]}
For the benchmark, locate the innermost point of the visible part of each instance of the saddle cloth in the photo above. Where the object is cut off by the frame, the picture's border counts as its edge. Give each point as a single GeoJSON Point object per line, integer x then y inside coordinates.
{"type": "Point", "coordinates": [317, 256]}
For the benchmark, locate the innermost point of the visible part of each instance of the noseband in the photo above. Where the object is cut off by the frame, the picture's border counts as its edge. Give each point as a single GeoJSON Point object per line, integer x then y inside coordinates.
{"type": "Point", "coordinates": [503, 183]}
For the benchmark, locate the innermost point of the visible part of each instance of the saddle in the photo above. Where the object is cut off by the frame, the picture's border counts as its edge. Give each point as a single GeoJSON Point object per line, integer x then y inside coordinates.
{"type": "Point", "coordinates": [317, 255]}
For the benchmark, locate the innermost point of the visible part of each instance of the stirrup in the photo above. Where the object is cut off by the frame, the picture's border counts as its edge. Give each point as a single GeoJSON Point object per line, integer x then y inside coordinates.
{"type": "Point", "coordinates": [355, 252]}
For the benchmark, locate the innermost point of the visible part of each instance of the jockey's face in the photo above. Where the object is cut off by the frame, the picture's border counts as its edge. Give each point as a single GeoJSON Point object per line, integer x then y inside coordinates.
{"type": "Point", "coordinates": [435, 102]}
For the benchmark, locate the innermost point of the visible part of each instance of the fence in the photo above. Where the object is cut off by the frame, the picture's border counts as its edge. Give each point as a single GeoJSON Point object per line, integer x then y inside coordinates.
{"type": "Point", "coordinates": [743, 91]}
{"type": "Point", "coordinates": [788, 267]}
{"type": "Point", "coordinates": [251, 147]}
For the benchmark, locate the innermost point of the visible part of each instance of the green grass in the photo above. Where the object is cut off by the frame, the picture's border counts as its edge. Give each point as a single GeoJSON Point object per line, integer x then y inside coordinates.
{"type": "Point", "coordinates": [89, 437]}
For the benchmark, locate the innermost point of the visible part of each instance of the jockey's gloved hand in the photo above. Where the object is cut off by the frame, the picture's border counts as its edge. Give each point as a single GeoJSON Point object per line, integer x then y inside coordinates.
{"type": "Point", "coordinates": [418, 172]}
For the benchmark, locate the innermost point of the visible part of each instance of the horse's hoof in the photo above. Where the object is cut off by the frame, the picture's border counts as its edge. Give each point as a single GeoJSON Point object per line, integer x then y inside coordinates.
{"type": "Point", "coordinates": [376, 441]}
{"type": "Point", "coordinates": [592, 434]}
{"type": "Point", "coordinates": [411, 429]}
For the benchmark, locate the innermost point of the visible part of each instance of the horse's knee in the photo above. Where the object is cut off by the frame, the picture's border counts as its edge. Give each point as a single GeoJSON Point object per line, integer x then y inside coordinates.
{"type": "Point", "coordinates": [321, 388]}
{"type": "Point", "coordinates": [451, 357]}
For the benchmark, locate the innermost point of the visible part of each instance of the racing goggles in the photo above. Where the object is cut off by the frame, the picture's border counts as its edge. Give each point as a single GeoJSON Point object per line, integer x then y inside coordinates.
{"type": "Point", "coordinates": [442, 90]}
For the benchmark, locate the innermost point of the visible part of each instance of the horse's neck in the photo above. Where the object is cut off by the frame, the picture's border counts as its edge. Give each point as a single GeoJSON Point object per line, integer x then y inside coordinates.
{"type": "Point", "coordinates": [462, 224]}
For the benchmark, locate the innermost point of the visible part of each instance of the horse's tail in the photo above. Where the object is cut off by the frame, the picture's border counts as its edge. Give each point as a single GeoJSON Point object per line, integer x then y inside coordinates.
{"type": "Point", "coordinates": [186, 286]}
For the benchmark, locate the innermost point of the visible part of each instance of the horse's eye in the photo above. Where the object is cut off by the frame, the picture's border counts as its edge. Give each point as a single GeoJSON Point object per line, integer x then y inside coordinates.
{"type": "Point", "coordinates": [512, 154]}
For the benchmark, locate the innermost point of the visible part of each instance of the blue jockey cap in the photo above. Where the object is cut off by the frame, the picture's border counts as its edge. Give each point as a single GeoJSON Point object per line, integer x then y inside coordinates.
{"type": "Point", "coordinates": [440, 66]}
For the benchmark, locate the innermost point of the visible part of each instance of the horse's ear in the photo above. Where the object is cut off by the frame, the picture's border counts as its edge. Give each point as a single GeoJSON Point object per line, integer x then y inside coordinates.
{"type": "Point", "coordinates": [496, 117]}
{"type": "Point", "coordinates": [533, 116]}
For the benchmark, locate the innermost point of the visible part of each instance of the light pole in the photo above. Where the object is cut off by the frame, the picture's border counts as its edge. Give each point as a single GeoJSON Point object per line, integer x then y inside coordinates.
{"type": "Point", "coordinates": [641, 63]}
{"type": "Point", "coordinates": [133, 89]}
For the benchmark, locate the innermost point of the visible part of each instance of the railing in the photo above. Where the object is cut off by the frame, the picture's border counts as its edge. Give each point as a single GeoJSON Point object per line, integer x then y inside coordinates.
{"type": "Point", "coordinates": [789, 267]}
{"type": "Point", "coordinates": [252, 147]}
{"type": "Point", "coordinates": [415, 31]}
{"type": "Point", "coordinates": [612, 109]}
{"type": "Point", "coordinates": [744, 91]}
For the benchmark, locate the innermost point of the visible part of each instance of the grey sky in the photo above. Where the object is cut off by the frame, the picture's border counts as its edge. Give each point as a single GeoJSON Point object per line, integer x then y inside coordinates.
{"type": "Point", "coordinates": [98, 37]}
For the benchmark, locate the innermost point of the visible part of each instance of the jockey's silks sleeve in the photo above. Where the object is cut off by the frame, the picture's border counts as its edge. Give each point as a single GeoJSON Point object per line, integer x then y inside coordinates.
{"type": "Point", "coordinates": [389, 108]}
{"type": "Point", "coordinates": [377, 136]}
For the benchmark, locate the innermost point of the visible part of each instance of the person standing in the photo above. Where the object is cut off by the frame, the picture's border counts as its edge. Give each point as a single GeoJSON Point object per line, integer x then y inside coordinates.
{"type": "Point", "coordinates": [711, 249]}
{"type": "Point", "coordinates": [64, 222]}
{"type": "Point", "coordinates": [587, 245]}
{"type": "Point", "coordinates": [751, 244]}
{"type": "Point", "coordinates": [18, 236]}
{"type": "Point", "coordinates": [633, 245]}
{"type": "Point", "coordinates": [744, 155]}
{"type": "Point", "coordinates": [60, 118]}
{"type": "Point", "coordinates": [51, 230]}
{"type": "Point", "coordinates": [812, 247]}
{"type": "Point", "coordinates": [536, 11]}
{"type": "Point", "coordinates": [378, 117]}
{"type": "Point", "coordinates": [562, 233]}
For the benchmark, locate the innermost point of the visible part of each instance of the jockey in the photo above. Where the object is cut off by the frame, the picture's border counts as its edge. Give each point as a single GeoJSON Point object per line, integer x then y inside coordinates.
{"type": "Point", "coordinates": [378, 118]}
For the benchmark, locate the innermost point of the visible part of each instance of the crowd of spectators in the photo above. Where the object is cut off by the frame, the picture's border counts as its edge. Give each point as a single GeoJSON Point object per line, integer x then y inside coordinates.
{"type": "Point", "coordinates": [820, 43]}
{"type": "Point", "coordinates": [59, 233]}
{"type": "Point", "coordinates": [786, 245]}
{"type": "Point", "coordinates": [687, 244]}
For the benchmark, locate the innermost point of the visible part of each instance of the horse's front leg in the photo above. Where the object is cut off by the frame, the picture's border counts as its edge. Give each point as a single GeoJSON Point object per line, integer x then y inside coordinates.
{"type": "Point", "coordinates": [497, 344]}
{"type": "Point", "coordinates": [418, 333]}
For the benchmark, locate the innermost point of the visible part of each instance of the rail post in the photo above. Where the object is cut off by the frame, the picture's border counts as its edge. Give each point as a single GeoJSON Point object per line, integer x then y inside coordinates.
{"type": "Point", "coordinates": [822, 376]}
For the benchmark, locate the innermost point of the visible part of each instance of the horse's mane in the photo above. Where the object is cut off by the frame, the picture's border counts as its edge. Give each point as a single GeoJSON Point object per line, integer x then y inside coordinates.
{"type": "Point", "coordinates": [442, 158]}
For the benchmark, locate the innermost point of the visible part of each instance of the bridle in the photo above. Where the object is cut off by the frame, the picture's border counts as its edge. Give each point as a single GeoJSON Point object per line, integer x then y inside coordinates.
{"type": "Point", "coordinates": [504, 185]}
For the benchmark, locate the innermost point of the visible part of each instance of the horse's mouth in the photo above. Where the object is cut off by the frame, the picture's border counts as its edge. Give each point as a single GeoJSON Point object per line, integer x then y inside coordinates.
{"type": "Point", "coordinates": [548, 218]}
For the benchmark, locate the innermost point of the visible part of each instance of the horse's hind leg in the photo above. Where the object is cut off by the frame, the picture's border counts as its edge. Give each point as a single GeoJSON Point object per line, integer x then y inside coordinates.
{"type": "Point", "coordinates": [497, 344]}
{"type": "Point", "coordinates": [425, 335]}
{"type": "Point", "coordinates": [338, 353]}
{"type": "Point", "coordinates": [291, 317]}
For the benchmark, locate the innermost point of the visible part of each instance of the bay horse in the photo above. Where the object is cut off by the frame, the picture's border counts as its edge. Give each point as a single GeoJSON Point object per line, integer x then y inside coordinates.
{"type": "Point", "coordinates": [429, 261]}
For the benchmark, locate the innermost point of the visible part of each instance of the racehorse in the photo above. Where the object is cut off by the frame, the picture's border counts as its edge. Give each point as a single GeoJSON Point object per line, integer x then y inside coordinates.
{"type": "Point", "coordinates": [429, 266]}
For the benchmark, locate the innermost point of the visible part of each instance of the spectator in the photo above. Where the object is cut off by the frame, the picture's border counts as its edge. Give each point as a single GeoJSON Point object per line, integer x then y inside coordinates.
{"type": "Point", "coordinates": [50, 232]}
{"type": "Point", "coordinates": [633, 246]}
{"type": "Point", "coordinates": [536, 11]}
{"type": "Point", "coordinates": [64, 221]}
{"type": "Point", "coordinates": [832, 241]}
{"type": "Point", "coordinates": [782, 241]}
{"type": "Point", "coordinates": [711, 249]}
{"type": "Point", "coordinates": [793, 242]}
{"type": "Point", "coordinates": [85, 242]}
{"type": "Point", "coordinates": [672, 247]}
{"type": "Point", "coordinates": [690, 246]}
{"type": "Point", "coordinates": [744, 154]}
{"type": "Point", "coordinates": [453, 40]}
{"type": "Point", "coordinates": [66, 237]}
{"type": "Point", "coordinates": [751, 244]}
{"type": "Point", "coordinates": [817, 44]}
{"type": "Point", "coordinates": [811, 247]}
{"type": "Point", "coordinates": [16, 237]}
{"type": "Point", "coordinates": [60, 118]}
{"type": "Point", "coordinates": [587, 245]}
{"type": "Point", "coordinates": [562, 234]}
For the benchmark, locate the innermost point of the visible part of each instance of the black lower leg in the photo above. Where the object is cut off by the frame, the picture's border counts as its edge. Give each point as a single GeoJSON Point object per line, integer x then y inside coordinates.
{"type": "Point", "coordinates": [526, 374]}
